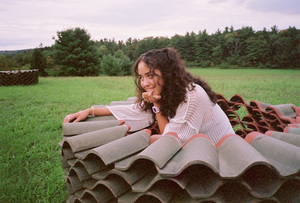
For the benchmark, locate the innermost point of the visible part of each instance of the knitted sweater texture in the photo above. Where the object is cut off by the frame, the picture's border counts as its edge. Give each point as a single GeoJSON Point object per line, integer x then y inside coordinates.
{"type": "Point", "coordinates": [197, 115]}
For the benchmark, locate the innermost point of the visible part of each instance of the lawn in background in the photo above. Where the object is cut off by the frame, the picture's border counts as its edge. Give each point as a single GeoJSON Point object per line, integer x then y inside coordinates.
{"type": "Point", "coordinates": [31, 117]}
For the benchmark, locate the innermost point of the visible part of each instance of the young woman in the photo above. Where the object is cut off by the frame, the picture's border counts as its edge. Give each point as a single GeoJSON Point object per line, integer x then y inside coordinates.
{"type": "Point", "coordinates": [172, 97]}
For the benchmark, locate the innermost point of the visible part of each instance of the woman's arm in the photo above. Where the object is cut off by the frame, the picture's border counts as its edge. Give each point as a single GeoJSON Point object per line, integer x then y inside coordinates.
{"type": "Point", "coordinates": [155, 99]}
{"type": "Point", "coordinates": [161, 120]}
{"type": "Point", "coordinates": [81, 115]}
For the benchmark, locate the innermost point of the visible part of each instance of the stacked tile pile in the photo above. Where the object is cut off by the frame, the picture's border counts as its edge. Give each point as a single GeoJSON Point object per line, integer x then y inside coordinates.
{"type": "Point", "coordinates": [19, 77]}
{"type": "Point", "coordinates": [104, 163]}
{"type": "Point", "coordinates": [261, 117]}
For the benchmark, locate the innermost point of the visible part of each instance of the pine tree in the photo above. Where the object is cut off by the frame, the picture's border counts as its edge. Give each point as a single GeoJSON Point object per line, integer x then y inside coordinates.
{"type": "Point", "coordinates": [38, 61]}
{"type": "Point", "coordinates": [75, 54]}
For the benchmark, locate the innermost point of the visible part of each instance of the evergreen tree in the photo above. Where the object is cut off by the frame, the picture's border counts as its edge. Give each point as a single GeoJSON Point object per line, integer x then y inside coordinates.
{"type": "Point", "coordinates": [131, 46]}
{"type": "Point", "coordinates": [149, 43]}
{"type": "Point", "coordinates": [38, 61]}
{"type": "Point", "coordinates": [178, 42]}
{"type": "Point", "coordinates": [217, 41]}
{"type": "Point", "coordinates": [204, 49]}
{"type": "Point", "coordinates": [286, 48]}
{"type": "Point", "coordinates": [75, 54]}
{"type": "Point", "coordinates": [4, 63]}
{"type": "Point", "coordinates": [189, 47]}
{"type": "Point", "coordinates": [257, 51]}
{"type": "Point", "coordinates": [126, 63]}
{"type": "Point", "coordinates": [102, 50]}
{"type": "Point", "coordinates": [111, 66]}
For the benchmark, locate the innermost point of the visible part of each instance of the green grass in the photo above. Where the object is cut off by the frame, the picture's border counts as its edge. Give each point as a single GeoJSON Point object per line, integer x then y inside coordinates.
{"type": "Point", "coordinates": [31, 117]}
{"type": "Point", "coordinates": [264, 85]}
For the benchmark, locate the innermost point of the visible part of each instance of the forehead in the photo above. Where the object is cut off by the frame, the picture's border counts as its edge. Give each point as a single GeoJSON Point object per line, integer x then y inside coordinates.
{"type": "Point", "coordinates": [143, 69]}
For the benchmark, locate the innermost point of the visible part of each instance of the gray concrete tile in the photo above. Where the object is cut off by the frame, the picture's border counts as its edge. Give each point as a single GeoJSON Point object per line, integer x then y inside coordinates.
{"type": "Point", "coordinates": [111, 166]}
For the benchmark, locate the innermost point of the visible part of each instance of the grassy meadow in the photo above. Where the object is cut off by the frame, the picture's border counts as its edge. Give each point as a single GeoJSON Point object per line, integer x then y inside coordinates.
{"type": "Point", "coordinates": [31, 117]}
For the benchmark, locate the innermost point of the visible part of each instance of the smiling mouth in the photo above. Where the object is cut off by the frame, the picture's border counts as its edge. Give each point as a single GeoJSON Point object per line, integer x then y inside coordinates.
{"type": "Point", "coordinates": [148, 89]}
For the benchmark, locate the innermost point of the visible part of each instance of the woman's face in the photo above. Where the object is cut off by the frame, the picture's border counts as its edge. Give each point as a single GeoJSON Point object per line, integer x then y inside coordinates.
{"type": "Point", "coordinates": [151, 81]}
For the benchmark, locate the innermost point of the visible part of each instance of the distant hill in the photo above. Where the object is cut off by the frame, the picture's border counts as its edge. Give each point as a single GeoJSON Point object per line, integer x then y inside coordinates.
{"type": "Point", "coordinates": [7, 53]}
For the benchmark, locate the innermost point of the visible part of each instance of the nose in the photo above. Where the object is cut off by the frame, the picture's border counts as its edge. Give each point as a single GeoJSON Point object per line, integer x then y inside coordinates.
{"type": "Point", "coordinates": [145, 82]}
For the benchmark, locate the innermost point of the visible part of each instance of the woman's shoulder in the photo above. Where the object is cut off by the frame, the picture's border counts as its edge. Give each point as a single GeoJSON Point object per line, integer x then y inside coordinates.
{"type": "Point", "coordinates": [197, 102]}
{"type": "Point", "coordinates": [196, 91]}
{"type": "Point", "coordinates": [199, 98]}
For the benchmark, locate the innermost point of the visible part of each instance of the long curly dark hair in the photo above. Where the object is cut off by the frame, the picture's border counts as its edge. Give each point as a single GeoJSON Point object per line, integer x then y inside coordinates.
{"type": "Point", "coordinates": [176, 80]}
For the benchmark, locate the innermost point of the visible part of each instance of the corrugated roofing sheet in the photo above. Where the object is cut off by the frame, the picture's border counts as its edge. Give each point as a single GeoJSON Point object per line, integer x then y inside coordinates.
{"type": "Point", "coordinates": [261, 162]}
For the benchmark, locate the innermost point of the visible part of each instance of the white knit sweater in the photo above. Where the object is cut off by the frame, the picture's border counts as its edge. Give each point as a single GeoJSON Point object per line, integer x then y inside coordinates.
{"type": "Point", "coordinates": [197, 115]}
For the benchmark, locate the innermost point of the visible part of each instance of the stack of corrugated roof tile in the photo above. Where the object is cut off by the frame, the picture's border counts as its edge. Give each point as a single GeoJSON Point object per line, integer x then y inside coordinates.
{"type": "Point", "coordinates": [105, 163]}
{"type": "Point", "coordinates": [261, 117]}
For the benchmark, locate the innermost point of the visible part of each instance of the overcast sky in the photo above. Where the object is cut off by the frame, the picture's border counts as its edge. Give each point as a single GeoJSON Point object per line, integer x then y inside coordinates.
{"type": "Point", "coordinates": [27, 23]}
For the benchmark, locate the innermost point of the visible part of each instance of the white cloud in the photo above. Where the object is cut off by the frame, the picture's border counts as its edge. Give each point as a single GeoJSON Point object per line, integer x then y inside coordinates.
{"type": "Point", "coordinates": [27, 23]}
{"type": "Point", "coordinates": [275, 6]}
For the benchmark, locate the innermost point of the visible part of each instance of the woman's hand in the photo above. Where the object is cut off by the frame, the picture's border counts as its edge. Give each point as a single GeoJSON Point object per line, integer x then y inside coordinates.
{"type": "Point", "coordinates": [76, 117]}
{"type": "Point", "coordinates": [150, 97]}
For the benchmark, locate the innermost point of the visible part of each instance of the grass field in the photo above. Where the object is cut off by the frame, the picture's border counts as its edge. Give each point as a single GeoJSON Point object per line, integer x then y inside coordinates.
{"type": "Point", "coordinates": [31, 117]}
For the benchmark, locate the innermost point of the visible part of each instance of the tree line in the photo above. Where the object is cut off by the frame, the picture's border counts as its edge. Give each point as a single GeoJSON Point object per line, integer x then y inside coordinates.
{"type": "Point", "coordinates": [74, 53]}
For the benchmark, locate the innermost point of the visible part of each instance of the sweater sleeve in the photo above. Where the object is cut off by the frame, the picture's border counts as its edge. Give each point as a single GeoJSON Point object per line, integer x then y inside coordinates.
{"type": "Point", "coordinates": [191, 115]}
{"type": "Point", "coordinates": [132, 115]}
